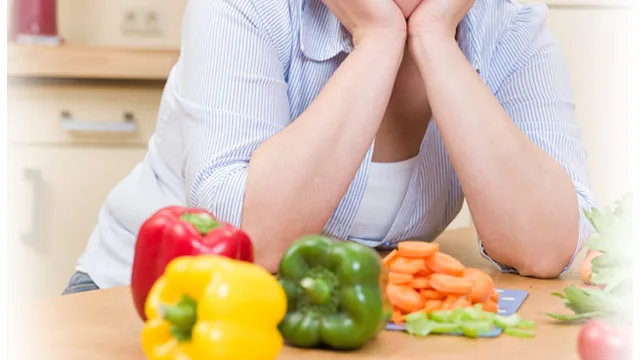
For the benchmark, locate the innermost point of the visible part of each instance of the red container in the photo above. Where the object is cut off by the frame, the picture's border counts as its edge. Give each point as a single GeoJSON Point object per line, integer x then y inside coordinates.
{"type": "Point", "coordinates": [35, 21]}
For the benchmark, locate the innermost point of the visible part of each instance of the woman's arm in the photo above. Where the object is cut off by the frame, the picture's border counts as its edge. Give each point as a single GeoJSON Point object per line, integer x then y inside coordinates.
{"type": "Point", "coordinates": [298, 177]}
{"type": "Point", "coordinates": [517, 154]}
{"type": "Point", "coordinates": [247, 164]}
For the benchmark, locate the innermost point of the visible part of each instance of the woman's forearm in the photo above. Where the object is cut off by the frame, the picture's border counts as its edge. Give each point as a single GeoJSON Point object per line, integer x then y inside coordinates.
{"type": "Point", "coordinates": [523, 203]}
{"type": "Point", "coordinates": [297, 178]}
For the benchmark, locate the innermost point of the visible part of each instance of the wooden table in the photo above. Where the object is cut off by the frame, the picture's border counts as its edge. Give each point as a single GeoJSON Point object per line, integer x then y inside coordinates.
{"type": "Point", "coordinates": [103, 324]}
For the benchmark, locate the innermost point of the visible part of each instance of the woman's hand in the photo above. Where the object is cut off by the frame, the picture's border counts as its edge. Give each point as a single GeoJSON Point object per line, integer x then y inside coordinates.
{"type": "Point", "coordinates": [439, 17]}
{"type": "Point", "coordinates": [374, 19]}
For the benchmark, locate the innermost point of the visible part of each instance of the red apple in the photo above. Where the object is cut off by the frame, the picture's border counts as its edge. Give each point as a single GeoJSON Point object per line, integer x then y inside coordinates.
{"type": "Point", "coordinates": [599, 340]}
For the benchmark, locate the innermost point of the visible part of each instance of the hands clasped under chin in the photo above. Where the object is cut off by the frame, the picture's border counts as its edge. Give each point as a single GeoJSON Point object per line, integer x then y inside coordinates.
{"type": "Point", "coordinates": [399, 18]}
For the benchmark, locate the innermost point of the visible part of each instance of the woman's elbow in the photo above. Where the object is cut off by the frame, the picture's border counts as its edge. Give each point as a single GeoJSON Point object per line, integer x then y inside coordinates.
{"type": "Point", "coordinates": [549, 264]}
{"type": "Point", "coordinates": [542, 269]}
{"type": "Point", "coordinates": [544, 262]}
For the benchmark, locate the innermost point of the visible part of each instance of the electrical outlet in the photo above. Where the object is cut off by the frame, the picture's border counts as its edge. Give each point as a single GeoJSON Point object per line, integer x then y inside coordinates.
{"type": "Point", "coordinates": [152, 23]}
{"type": "Point", "coordinates": [131, 23]}
{"type": "Point", "coordinates": [141, 22]}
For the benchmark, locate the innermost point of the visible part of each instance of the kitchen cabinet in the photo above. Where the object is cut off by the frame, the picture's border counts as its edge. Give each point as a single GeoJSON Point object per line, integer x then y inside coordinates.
{"type": "Point", "coordinates": [70, 143]}
{"type": "Point", "coordinates": [55, 194]}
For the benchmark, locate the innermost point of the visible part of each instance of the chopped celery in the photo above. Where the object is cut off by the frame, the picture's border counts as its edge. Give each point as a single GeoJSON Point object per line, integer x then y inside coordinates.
{"type": "Point", "coordinates": [470, 322]}
{"type": "Point", "coordinates": [444, 328]}
{"type": "Point", "coordinates": [418, 325]}
{"type": "Point", "coordinates": [523, 333]}
{"type": "Point", "coordinates": [475, 328]}
{"type": "Point", "coordinates": [472, 313]}
{"type": "Point", "coordinates": [456, 315]}
{"type": "Point", "coordinates": [440, 316]}
{"type": "Point", "coordinates": [526, 324]}
{"type": "Point", "coordinates": [504, 322]}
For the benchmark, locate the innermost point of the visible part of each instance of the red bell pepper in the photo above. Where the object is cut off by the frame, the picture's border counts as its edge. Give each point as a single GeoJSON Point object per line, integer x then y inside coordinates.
{"type": "Point", "coordinates": [177, 231]}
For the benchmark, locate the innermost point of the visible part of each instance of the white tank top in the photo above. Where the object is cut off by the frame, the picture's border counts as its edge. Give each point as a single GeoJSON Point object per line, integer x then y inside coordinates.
{"type": "Point", "coordinates": [387, 185]}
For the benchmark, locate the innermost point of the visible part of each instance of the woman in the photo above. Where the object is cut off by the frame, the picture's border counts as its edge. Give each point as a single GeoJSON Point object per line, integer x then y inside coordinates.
{"type": "Point", "coordinates": [365, 120]}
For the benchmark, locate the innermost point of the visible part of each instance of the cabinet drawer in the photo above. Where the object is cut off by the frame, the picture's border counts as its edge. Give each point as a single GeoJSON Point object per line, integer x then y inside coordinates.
{"type": "Point", "coordinates": [66, 112]}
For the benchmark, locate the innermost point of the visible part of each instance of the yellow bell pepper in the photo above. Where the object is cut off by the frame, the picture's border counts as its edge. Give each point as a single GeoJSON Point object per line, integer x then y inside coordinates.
{"type": "Point", "coordinates": [215, 308]}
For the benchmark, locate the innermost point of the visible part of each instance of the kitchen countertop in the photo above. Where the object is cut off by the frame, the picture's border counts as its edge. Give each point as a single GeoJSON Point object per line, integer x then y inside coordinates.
{"type": "Point", "coordinates": [103, 324]}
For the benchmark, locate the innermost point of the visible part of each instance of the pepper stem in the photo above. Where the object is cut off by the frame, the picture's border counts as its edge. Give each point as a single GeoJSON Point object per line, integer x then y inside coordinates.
{"type": "Point", "coordinates": [203, 222]}
{"type": "Point", "coordinates": [182, 317]}
{"type": "Point", "coordinates": [317, 290]}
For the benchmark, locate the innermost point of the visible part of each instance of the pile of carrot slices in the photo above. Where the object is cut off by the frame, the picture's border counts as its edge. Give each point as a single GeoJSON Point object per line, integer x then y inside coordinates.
{"type": "Point", "coordinates": [421, 278]}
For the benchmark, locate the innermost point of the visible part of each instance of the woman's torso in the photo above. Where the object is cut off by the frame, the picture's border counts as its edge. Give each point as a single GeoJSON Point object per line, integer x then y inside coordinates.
{"type": "Point", "coordinates": [318, 45]}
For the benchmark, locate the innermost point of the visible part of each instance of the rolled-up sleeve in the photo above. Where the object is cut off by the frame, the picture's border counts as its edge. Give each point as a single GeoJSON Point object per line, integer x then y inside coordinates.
{"type": "Point", "coordinates": [535, 91]}
{"type": "Point", "coordinates": [232, 96]}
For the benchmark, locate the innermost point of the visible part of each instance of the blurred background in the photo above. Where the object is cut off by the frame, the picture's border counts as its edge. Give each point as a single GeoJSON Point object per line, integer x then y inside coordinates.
{"type": "Point", "coordinates": [85, 79]}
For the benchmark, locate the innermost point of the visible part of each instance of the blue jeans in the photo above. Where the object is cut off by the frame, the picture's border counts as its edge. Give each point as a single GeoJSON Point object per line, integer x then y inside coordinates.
{"type": "Point", "coordinates": [80, 282]}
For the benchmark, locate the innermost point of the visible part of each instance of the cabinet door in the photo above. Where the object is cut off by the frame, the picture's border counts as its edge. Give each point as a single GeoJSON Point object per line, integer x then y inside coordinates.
{"type": "Point", "coordinates": [597, 44]}
{"type": "Point", "coordinates": [54, 198]}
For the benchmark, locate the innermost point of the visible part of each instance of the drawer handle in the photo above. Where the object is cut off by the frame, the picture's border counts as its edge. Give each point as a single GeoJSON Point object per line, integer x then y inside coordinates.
{"type": "Point", "coordinates": [35, 177]}
{"type": "Point", "coordinates": [127, 125]}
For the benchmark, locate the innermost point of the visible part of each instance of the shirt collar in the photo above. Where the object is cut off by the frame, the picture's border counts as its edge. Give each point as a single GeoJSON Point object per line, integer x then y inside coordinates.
{"type": "Point", "coordinates": [321, 34]}
{"type": "Point", "coordinates": [322, 37]}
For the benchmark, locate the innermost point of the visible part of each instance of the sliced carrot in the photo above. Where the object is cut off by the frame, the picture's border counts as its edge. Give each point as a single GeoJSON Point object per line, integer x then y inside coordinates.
{"type": "Point", "coordinates": [490, 306]}
{"type": "Point", "coordinates": [430, 294]}
{"type": "Point", "coordinates": [405, 265]}
{"type": "Point", "coordinates": [461, 302]}
{"type": "Point", "coordinates": [495, 296]}
{"type": "Point", "coordinates": [424, 272]}
{"type": "Point", "coordinates": [404, 297]}
{"type": "Point", "coordinates": [448, 302]}
{"type": "Point", "coordinates": [417, 249]}
{"type": "Point", "coordinates": [386, 261]}
{"type": "Point", "coordinates": [432, 305]}
{"type": "Point", "coordinates": [422, 301]}
{"type": "Point", "coordinates": [396, 316]}
{"type": "Point", "coordinates": [450, 285]}
{"type": "Point", "coordinates": [482, 285]}
{"type": "Point", "coordinates": [420, 283]}
{"type": "Point", "coordinates": [444, 264]}
{"type": "Point", "coordinates": [399, 278]}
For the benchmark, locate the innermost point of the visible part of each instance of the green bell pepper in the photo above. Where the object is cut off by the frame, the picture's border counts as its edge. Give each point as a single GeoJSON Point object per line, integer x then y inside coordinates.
{"type": "Point", "coordinates": [333, 292]}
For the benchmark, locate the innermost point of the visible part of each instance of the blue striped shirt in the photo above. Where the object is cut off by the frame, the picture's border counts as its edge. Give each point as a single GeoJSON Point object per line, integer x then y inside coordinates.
{"type": "Point", "coordinates": [248, 68]}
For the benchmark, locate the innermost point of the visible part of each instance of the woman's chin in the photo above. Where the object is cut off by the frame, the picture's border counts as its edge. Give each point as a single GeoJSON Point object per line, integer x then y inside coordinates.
{"type": "Point", "coordinates": [408, 6]}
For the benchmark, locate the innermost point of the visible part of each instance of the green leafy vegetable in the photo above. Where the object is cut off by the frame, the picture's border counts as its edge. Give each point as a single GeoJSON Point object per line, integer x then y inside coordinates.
{"type": "Point", "coordinates": [612, 270]}
{"type": "Point", "coordinates": [583, 316]}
